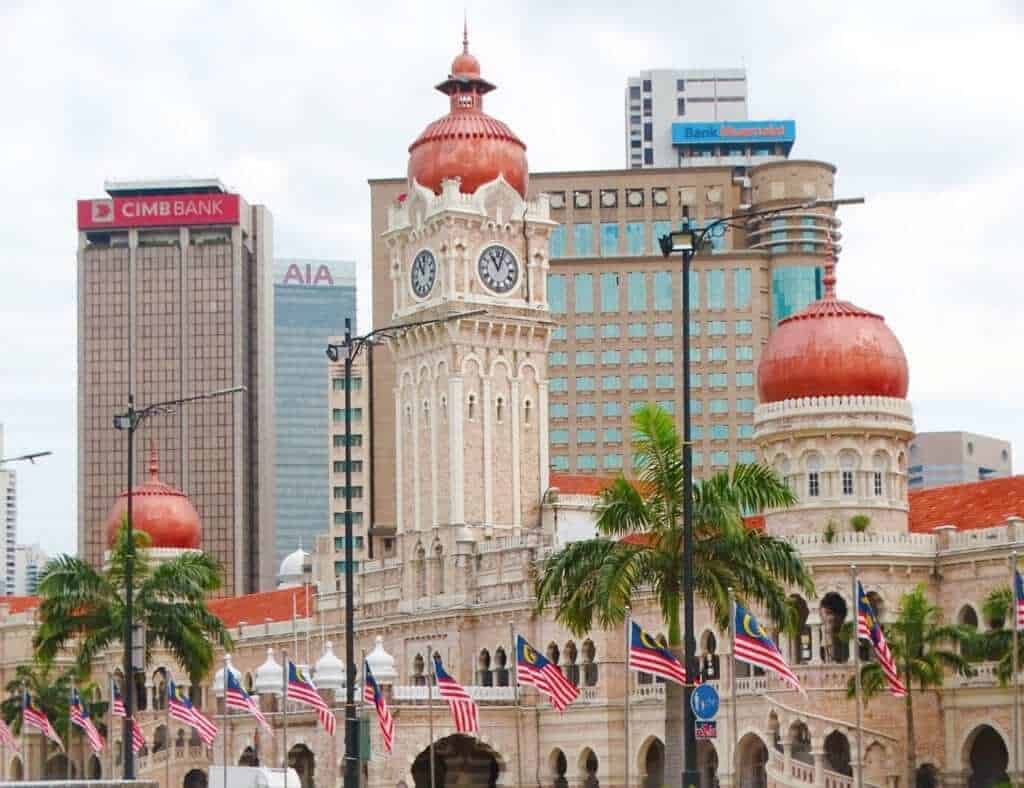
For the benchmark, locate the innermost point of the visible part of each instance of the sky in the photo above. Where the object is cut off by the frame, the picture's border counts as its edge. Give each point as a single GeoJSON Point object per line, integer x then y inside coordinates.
{"type": "Point", "coordinates": [295, 105]}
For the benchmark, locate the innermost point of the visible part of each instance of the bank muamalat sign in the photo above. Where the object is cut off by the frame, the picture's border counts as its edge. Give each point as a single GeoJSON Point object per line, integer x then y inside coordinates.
{"type": "Point", "coordinates": [158, 210]}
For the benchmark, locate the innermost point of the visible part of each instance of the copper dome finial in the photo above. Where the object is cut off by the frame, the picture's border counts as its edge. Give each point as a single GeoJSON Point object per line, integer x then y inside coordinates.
{"type": "Point", "coordinates": [465, 33]}
{"type": "Point", "coordinates": [829, 279]}
{"type": "Point", "coordinates": [154, 462]}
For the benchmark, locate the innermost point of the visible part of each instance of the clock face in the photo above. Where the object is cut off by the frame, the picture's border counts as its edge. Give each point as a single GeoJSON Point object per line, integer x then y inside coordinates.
{"type": "Point", "coordinates": [498, 268]}
{"type": "Point", "coordinates": [423, 273]}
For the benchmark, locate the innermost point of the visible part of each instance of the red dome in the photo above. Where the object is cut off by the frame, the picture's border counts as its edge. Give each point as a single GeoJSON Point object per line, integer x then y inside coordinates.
{"type": "Point", "coordinates": [832, 348]}
{"type": "Point", "coordinates": [162, 511]}
{"type": "Point", "coordinates": [467, 143]}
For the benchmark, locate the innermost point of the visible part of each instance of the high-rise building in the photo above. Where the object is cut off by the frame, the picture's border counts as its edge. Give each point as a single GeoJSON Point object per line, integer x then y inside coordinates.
{"type": "Point", "coordinates": [8, 518]}
{"type": "Point", "coordinates": [617, 304]}
{"type": "Point", "coordinates": [938, 458]}
{"type": "Point", "coordinates": [312, 299]}
{"type": "Point", "coordinates": [329, 552]}
{"type": "Point", "coordinates": [29, 562]}
{"type": "Point", "coordinates": [175, 299]}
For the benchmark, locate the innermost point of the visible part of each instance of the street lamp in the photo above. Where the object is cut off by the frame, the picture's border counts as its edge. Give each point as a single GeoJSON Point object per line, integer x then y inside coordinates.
{"type": "Point", "coordinates": [31, 458]}
{"type": "Point", "coordinates": [131, 420]}
{"type": "Point", "coordinates": [351, 346]}
{"type": "Point", "coordinates": [687, 241]}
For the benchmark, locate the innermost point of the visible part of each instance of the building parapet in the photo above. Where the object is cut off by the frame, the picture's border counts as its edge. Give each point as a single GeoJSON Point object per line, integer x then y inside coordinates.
{"type": "Point", "coordinates": [813, 545]}
{"type": "Point", "coordinates": [413, 693]}
{"type": "Point", "coordinates": [805, 406]}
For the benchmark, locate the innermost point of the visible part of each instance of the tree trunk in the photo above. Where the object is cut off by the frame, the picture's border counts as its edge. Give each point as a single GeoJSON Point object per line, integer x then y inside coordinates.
{"type": "Point", "coordinates": [911, 738]}
{"type": "Point", "coordinates": [674, 726]}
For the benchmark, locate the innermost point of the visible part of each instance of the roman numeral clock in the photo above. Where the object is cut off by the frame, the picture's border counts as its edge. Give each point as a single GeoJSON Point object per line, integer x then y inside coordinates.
{"type": "Point", "coordinates": [498, 268]}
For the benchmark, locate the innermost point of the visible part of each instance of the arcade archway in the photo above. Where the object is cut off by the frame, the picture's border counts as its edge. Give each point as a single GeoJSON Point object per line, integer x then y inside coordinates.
{"type": "Point", "coordinates": [458, 760]}
{"type": "Point", "coordinates": [302, 760]}
{"type": "Point", "coordinates": [752, 758]}
{"type": "Point", "coordinates": [986, 757]}
{"type": "Point", "coordinates": [194, 779]}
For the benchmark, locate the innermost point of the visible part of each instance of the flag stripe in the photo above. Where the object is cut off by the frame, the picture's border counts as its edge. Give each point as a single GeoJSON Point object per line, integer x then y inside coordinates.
{"type": "Point", "coordinates": [642, 660]}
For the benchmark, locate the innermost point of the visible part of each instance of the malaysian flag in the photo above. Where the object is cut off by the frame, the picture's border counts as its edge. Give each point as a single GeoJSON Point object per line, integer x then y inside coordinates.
{"type": "Point", "coordinates": [36, 718]}
{"type": "Point", "coordinates": [117, 710]}
{"type": "Point", "coordinates": [238, 698]}
{"type": "Point", "coordinates": [462, 707]}
{"type": "Point", "coordinates": [180, 708]}
{"type": "Point", "coordinates": [648, 656]}
{"type": "Point", "coordinates": [372, 694]}
{"type": "Point", "coordinates": [303, 690]}
{"type": "Point", "coordinates": [869, 629]}
{"type": "Point", "coordinates": [535, 670]}
{"type": "Point", "coordinates": [7, 738]}
{"type": "Point", "coordinates": [1018, 597]}
{"type": "Point", "coordinates": [80, 717]}
{"type": "Point", "coordinates": [752, 645]}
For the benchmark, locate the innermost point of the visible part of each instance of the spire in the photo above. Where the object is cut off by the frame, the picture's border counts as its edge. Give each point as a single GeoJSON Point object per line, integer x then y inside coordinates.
{"type": "Point", "coordinates": [154, 462]}
{"type": "Point", "coordinates": [829, 279]}
{"type": "Point", "coordinates": [465, 33]}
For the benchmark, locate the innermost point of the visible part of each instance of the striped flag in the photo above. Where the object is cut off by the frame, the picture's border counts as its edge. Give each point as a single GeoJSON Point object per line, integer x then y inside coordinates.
{"type": "Point", "coordinates": [1018, 597]}
{"type": "Point", "coordinates": [180, 708]}
{"type": "Point", "coordinates": [869, 629]}
{"type": "Point", "coordinates": [372, 694]}
{"type": "Point", "coordinates": [535, 670]}
{"type": "Point", "coordinates": [752, 645]}
{"type": "Point", "coordinates": [36, 718]}
{"type": "Point", "coordinates": [303, 690]}
{"type": "Point", "coordinates": [80, 717]}
{"type": "Point", "coordinates": [462, 707]}
{"type": "Point", "coordinates": [7, 738]}
{"type": "Point", "coordinates": [238, 698]}
{"type": "Point", "coordinates": [117, 710]}
{"type": "Point", "coordinates": [648, 656]}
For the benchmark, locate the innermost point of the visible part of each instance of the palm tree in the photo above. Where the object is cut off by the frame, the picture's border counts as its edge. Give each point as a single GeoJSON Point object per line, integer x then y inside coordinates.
{"type": "Point", "coordinates": [639, 545]}
{"type": "Point", "coordinates": [997, 643]}
{"type": "Point", "coordinates": [916, 638]}
{"type": "Point", "coordinates": [50, 690]}
{"type": "Point", "coordinates": [85, 606]}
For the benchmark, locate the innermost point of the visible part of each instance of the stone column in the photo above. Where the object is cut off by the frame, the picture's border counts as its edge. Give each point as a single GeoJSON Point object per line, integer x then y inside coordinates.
{"type": "Point", "coordinates": [787, 756]}
{"type": "Point", "coordinates": [819, 768]}
{"type": "Point", "coordinates": [814, 622]}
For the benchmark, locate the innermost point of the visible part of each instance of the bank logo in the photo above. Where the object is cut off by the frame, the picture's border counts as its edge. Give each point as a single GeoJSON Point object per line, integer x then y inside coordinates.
{"type": "Point", "coordinates": [102, 211]}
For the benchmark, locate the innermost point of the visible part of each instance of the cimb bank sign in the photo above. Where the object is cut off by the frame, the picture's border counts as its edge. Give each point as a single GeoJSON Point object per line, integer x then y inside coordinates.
{"type": "Point", "coordinates": [158, 210]}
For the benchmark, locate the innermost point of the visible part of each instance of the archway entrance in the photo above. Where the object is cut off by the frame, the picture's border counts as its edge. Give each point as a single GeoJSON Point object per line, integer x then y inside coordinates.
{"type": "Point", "coordinates": [752, 757]}
{"type": "Point", "coordinates": [57, 768]}
{"type": "Point", "coordinates": [987, 757]}
{"type": "Point", "coordinates": [194, 779]}
{"type": "Point", "coordinates": [458, 761]}
{"type": "Point", "coordinates": [559, 766]}
{"type": "Point", "coordinates": [837, 753]}
{"type": "Point", "coordinates": [302, 760]}
{"type": "Point", "coordinates": [654, 765]}
{"type": "Point", "coordinates": [707, 764]}
{"type": "Point", "coordinates": [248, 757]}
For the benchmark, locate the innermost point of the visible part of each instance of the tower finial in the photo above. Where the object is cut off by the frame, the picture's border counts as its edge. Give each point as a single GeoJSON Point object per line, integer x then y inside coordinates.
{"type": "Point", "coordinates": [154, 462]}
{"type": "Point", "coordinates": [829, 279]}
{"type": "Point", "coordinates": [465, 33]}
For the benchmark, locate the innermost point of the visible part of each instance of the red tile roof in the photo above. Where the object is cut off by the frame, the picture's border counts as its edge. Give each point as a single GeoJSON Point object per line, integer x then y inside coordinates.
{"type": "Point", "coordinates": [579, 483]}
{"type": "Point", "coordinates": [257, 608]}
{"type": "Point", "coordinates": [19, 604]}
{"type": "Point", "coordinates": [967, 506]}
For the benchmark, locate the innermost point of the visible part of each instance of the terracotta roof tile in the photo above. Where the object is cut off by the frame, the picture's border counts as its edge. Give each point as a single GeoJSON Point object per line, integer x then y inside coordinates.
{"type": "Point", "coordinates": [967, 506]}
{"type": "Point", "coordinates": [19, 604]}
{"type": "Point", "coordinates": [579, 483]}
{"type": "Point", "coordinates": [257, 608]}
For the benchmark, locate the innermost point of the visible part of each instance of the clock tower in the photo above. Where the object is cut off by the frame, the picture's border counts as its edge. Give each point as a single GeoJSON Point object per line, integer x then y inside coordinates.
{"type": "Point", "coordinates": [471, 456]}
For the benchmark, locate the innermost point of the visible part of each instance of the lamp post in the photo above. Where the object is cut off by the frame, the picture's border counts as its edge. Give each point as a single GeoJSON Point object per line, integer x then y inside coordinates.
{"type": "Point", "coordinates": [687, 241]}
{"type": "Point", "coordinates": [351, 346]}
{"type": "Point", "coordinates": [130, 421]}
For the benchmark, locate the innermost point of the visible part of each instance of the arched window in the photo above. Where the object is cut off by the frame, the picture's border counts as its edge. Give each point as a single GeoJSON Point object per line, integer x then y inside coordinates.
{"type": "Point", "coordinates": [553, 654]}
{"type": "Point", "coordinates": [782, 469]}
{"type": "Point", "coordinates": [847, 467]}
{"type": "Point", "coordinates": [444, 408]}
{"type": "Point", "coordinates": [589, 663]}
{"type": "Point", "coordinates": [880, 464]}
{"type": "Point", "coordinates": [484, 675]}
{"type": "Point", "coordinates": [421, 572]}
{"type": "Point", "coordinates": [499, 408]}
{"type": "Point", "coordinates": [438, 570]}
{"type": "Point", "coordinates": [419, 678]}
{"type": "Point", "coordinates": [813, 476]}
{"type": "Point", "coordinates": [501, 671]}
{"type": "Point", "coordinates": [709, 661]}
{"type": "Point", "coordinates": [527, 411]}
{"type": "Point", "coordinates": [471, 407]}
{"type": "Point", "coordinates": [408, 415]}
{"type": "Point", "coordinates": [572, 669]}
{"type": "Point", "coordinates": [426, 411]}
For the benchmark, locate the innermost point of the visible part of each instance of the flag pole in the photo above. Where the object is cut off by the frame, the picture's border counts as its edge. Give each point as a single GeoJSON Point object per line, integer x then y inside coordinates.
{"type": "Point", "coordinates": [733, 700]}
{"type": "Point", "coordinates": [515, 697]}
{"type": "Point", "coordinates": [167, 724]}
{"type": "Point", "coordinates": [24, 753]}
{"type": "Point", "coordinates": [1016, 683]}
{"type": "Point", "coordinates": [362, 698]}
{"type": "Point", "coordinates": [628, 688]}
{"type": "Point", "coordinates": [67, 755]}
{"type": "Point", "coordinates": [284, 710]}
{"type": "Point", "coordinates": [856, 675]}
{"type": "Point", "coordinates": [227, 729]}
{"type": "Point", "coordinates": [430, 709]}
{"type": "Point", "coordinates": [110, 721]}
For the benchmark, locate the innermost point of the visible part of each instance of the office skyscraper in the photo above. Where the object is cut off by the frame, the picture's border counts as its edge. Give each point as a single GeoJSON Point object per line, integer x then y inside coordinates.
{"type": "Point", "coordinates": [312, 298]}
{"type": "Point", "coordinates": [8, 519]}
{"type": "Point", "coordinates": [175, 299]}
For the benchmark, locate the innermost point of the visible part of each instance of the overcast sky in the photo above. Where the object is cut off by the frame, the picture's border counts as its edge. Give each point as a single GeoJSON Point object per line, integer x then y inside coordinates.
{"type": "Point", "coordinates": [295, 105]}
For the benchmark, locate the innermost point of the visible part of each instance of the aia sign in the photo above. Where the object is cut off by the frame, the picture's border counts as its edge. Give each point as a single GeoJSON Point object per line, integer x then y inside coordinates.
{"type": "Point", "coordinates": [306, 275]}
{"type": "Point", "coordinates": [158, 210]}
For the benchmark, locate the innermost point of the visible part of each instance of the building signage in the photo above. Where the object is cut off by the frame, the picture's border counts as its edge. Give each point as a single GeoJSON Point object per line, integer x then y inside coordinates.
{"type": "Point", "coordinates": [158, 210]}
{"type": "Point", "coordinates": [704, 702]}
{"type": "Point", "coordinates": [307, 274]}
{"type": "Point", "coordinates": [728, 132]}
{"type": "Point", "coordinates": [705, 729]}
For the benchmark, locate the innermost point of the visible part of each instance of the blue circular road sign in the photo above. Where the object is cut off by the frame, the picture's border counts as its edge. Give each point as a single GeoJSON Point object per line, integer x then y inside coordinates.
{"type": "Point", "coordinates": [704, 702]}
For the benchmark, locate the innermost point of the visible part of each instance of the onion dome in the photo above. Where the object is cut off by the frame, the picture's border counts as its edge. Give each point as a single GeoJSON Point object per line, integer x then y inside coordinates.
{"type": "Point", "coordinates": [467, 143]}
{"type": "Point", "coordinates": [218, 677]}
{"type": "Point", "coordinates": [329, 672]}
{"type": "Point", "coordinates": [832, 348]}
{"type": "Point", "coordinates": [163, 512]}
{"type": "Point", "coordinates": [269, 678]}
{"type": "Point", "coordinates": [293, 564]}
{"type": "Point", "coordinates": [382, 664]}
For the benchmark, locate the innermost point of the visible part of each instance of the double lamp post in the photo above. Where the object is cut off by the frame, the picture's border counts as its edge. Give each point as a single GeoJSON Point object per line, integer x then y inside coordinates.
{"type": "Point", "coordinates": [687, 242]}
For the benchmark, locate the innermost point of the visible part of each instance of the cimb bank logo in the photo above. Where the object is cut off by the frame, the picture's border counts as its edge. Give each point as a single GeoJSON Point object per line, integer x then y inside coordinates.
{"type": "Point", "coordinates": [102, 211]}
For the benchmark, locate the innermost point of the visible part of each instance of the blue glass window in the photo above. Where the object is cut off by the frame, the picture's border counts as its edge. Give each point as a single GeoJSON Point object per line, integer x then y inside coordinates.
{"type": "Point", "coordinates": [584, 357]}
{"type": "Point", "coordinates": [635, 239]}
{"type": "Point", "coordinates": [560, 462]}
{"type": "Point", "coordinates": [558, 358]}
{"type": "Point", "coordinates": [745, 405]}
{"type": "Point", "coordinates": [793, 288]}
{"type": "Point", "coordinates": [556, 293]}
{"type": "Point", "coordinates": [611, 409]}
{"type": "Point", "coordinates": [612, 461]}
{"type": "Point", "coordinates": [635, 405]}
{"type": "Point", "coordinates": [583, 285]}
{"type": "Point", "coordinates": [694, 328]}
{"type": "Point", "coordinates": [660, 229]}
{"type": "Point", "coordinates": [717, 353]}
{"type": "Point", "coordinates": [558, 332]}
{"type": "Point", "coordinates": [609, 239]}
{"type": "Point", "coordinates": [637, 382]}
{"type": "Point", "coordinates": [696, 407]}
{"type": "Point", "coordinates": [746, 456]}
{"type": "Point", "coordinates": [559, 410]}
{"type": "Point", "coordinates": [694, 354]}
{"type": "Point", "coordinates": [741, 279]}
{"type": "Point", "coordinates": [583, 240]}
{"type": "Point", "coordinates": [663, 291]}
{"type": "Point", "coordinates": [716, 288]}
{"type": "Point", "coordinates": [586, 462]}
{"type": "Point", "coordinates": [610, 357]}
{"type": "Point", "coordinates": [559, 437]}
{"type": "Point", "coordinates": [611, 330]}
{"type": "Point", "coordinates": [718, 380]}
{"type": "Point", "coordinates": [558, 384]}
{"type": "Point", "coordinates": [636, 285]}
{"type": "Point", "coordinates": [696, 432]}
{"type": "Point", "coordinates": [778, 230]}
{"type": "Point", "coordinates": [664, 355]}
{"type": "Point", "coordinates": [716, 328]}
{"type": "Point", "coordinates": [719, 432]}
{"type": "Point", "coordinates": [611, 383]}
{"type": "Point", "coordinates": [664, 381]}
{"type": "Point", "coordinates": [696, 380]}
{"type": "Point", "coordinates": [694, 289]}
{"type": "Point", "coordinates": [745, 379]}
{"type": "Point", "coordinates": [613, 435]}
{"type": "Point", "coordinates": [556, 243]}
{"type": "Point", "coordinates": [698, 459]}
{"type": "Point", "coordinates": [586, 383]}
{"type": "Point", "coordinates": [663, 329]}
{"type": "Point", "coordinates": [744, 328]}
{"type": "Point", "coordinates": [586, 409]}
{"type": "Point", "coordinates": [637, 356]}
{"type": "Point", "coordinates": [584, 331]}
{"type": "Point", "coordinates": [609, 292]}
{"type": "Point", "coordinates": [744, 352]}
{"type": "Point", "coordinates": [719, 458]}
{"type": "Point", "coordinates": [637, 330]}
{"type": "Point", "coordinates": [586, 436]}
{"type": "Point", "coordinates": [669, 406]}
{"type": "Point", "coordinates": [718, 405]}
